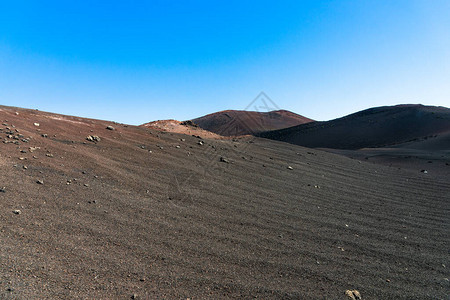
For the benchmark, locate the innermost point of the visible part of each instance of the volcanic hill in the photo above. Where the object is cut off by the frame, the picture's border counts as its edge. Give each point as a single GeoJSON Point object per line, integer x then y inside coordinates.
{"type": "Point", "coordinates": [239, 122]}
{"type": "Point", "coordinates": [374, 127]}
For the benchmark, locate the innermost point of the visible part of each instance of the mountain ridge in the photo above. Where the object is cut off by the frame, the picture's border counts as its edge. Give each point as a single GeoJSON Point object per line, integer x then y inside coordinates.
{"type": "Point", "coordinates": [373, 127]}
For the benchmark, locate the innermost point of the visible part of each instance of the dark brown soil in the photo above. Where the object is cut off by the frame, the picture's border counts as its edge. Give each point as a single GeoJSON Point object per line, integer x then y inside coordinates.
{"type": "Point", "coordinates": [180, 222]}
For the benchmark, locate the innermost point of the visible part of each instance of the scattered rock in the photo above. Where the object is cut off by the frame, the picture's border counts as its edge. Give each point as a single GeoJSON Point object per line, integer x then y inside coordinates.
{"type": "Point", "coordinates": [134, 296]}
{"type": "Point", "coordinates": [188, 123]}
{"type": "Point", "coordinates": [110, 127]}
{"type": "Point", "coordinates": [290, 168]}
{"type": "Point", "coordinates": [424, 171]}
{"type": "Point", "coordinates": [40, 182]}
{"type": "Point", "coordinates": [178, 147]}
{"type": "Point", "coordinates": [93, 138]}
{"type": "Point", "coordinates": [200, 143]}
{"type": "Point", "coordinates": [3, 190]}
{"type": "Point", "coordinates": [353, 294]}
{"type": "Point", "coordinates": [36, 124]}
{"type": "Point", "coordinates": [223, 159]}
{"type": "Point", "coordinates": [49, 155]}
{"type": "Point", "coordinates": [44, 135]}
{"type": "Point", "coordinates": [17, 212]}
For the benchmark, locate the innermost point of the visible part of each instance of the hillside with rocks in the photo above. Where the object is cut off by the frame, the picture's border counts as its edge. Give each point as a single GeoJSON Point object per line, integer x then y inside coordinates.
{"type": "Point", "coordinates": [99, 210]}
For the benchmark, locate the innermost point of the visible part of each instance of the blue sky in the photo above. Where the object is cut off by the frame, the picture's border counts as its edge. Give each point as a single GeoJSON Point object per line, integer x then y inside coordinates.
{"type": "Point", "coordinates": [137, 61]}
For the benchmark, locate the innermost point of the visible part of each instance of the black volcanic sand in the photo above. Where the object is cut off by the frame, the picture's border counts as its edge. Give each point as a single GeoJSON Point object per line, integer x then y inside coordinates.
{"type": "Point", "coordinates": [435, 163]}
{"type": "Point", "coordinates": [178, 223]}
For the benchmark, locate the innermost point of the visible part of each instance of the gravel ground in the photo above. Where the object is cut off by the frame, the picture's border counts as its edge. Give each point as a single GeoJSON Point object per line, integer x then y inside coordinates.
{"type": "Point", "coordinates": [157, 215]}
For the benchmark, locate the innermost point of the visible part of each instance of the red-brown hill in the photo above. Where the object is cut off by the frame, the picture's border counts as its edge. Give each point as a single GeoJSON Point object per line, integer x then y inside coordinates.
{"type": "Point", "coordinates": [239, 122]}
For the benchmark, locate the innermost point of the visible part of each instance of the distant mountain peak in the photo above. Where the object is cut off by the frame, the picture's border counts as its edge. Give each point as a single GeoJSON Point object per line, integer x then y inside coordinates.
{"type": "Point", "coordinates": [243, 122]}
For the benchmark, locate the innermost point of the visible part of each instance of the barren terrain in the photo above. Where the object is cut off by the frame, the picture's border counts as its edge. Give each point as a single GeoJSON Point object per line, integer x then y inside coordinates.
{"type": "Point", "coordinates": [137, 212]}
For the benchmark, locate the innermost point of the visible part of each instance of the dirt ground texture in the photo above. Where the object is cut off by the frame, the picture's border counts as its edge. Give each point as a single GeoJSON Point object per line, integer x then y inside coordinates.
{"type": "Point", "coordinates": [161, 215]}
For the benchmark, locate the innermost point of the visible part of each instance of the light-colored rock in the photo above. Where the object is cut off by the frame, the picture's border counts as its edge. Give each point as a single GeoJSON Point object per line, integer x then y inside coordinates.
{"type": "Point", "coordinates": [93, 138]}
{"type": "Point", "coordinates": [353, 294]}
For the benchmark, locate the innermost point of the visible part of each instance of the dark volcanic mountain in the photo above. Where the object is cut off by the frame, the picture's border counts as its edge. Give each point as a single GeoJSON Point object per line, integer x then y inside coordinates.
{"type": "Point", "coordinates": [239, 122]}
{"type": "Point", "coordinates": [374, 127]}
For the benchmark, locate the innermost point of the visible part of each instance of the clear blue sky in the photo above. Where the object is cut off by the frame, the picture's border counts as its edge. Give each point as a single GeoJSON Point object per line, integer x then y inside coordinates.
{"type": "Point", "coordinates": [137, 61]}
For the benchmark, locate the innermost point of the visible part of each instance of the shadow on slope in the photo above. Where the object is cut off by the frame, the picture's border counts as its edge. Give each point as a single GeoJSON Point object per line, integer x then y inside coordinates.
{"type": "Point", "coordinates": [374, 127]}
